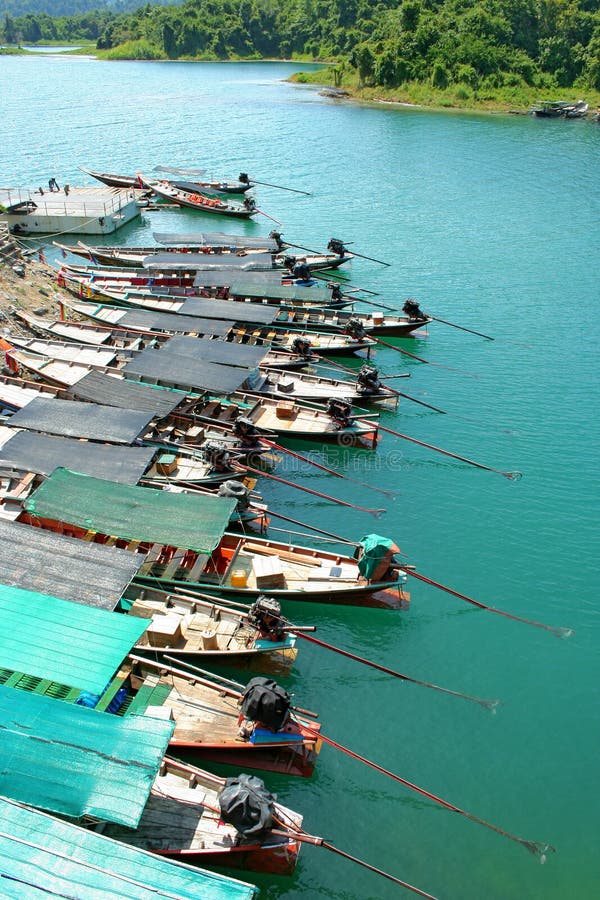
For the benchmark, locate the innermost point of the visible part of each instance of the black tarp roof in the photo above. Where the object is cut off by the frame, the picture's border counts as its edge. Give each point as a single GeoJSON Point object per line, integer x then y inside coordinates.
{"type": "Point", "coordinates": [157, 321]}
{"type": "Point", "coordinates": [43, 453]}
{"type": "Point", "coordinates": [117, 392]}
{"type": "Point", "coordinates": [244, 285]}
{"type": "Point", "coordinates": [233, 310]}
{"type": "Point", "coordinates": [71, 418]}
{"type": "Point", "coordinates": [225, 353]}
{"type": "Point", "coordinates": [214, 239]}
{"type": "Point", "coordinates": [223, 277]}
{"type": "Point", "coordinates": [64, 567]}
{"type": "Point", "coordinates": [186, 372]}
{"type": "Point", "coordinates": [260, 262]}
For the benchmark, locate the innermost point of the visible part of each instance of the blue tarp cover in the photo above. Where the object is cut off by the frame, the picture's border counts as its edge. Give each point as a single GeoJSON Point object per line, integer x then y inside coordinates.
{"type": "Point", "coordinates": [40, 856]}
{"type": "Point", "coordinates": [76, 761]}
{"type": "Point", "coordinates": [80, 646]}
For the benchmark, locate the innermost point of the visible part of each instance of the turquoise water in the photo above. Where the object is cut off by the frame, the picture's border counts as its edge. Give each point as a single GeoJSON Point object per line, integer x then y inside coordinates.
{"type": "Point", "coordinates": [491, 221]}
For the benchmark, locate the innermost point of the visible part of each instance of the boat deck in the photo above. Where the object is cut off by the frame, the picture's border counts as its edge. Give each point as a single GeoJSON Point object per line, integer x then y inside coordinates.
{"type": "Point", "coordinates": [85, 210]}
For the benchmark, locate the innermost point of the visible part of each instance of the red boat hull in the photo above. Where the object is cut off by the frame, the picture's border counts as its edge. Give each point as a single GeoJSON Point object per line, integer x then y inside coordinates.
{"type": "Point", "coordinates": [274, 859]}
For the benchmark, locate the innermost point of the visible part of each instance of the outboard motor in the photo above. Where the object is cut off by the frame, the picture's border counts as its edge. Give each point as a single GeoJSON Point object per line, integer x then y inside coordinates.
{"type": "Point", "coordinates": [246, 804]}
{"type": "Point", "coordinates": [368, 379]}
{"type": "Point", "coordinates": [217, 455]}
{"type": "Point", "coordinates": [301, 271]}
{"type": "Point", "coordinates": [250, 203]}
{"type": "Point", "coordinates": [340, 411]}
{"type": "Point", "coordinates": [289, 262]}
{"type": "Point", "coordinates": [265, 702]}
{"type": "Point", "coordinates": [265, 616]}
{"type": "Point", "coordinates": [413, 310]}
{"type": "Point", "coordinates": [243, 177]}
{"type": "Point", "coordinates": [355, 329]}
{"type": "Point", "coordinates": [235, 490]}
{"type": "Point", "coordinates": [336, 246]}
{"type": "Point", "coordinates": [302, 346]}
{"type": "Point", "coordinates": [245, 430]}
{"type": "Point", "coordinates": [336, 291]}
{"type": "Point", "coordinates": [276, 236]}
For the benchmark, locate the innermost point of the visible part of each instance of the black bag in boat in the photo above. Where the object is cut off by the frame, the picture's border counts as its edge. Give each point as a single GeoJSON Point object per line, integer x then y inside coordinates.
{"type": "Point", "coordinates": [266, 702]}
{"type": "Point", "coordinates": [246, 804]}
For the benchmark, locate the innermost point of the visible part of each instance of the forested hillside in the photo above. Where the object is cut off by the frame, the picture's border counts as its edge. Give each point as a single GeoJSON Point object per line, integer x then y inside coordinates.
{"type": "Point", "coordinates": [16, 8]}
{"type": "Point", "coordinates": [490, 43]}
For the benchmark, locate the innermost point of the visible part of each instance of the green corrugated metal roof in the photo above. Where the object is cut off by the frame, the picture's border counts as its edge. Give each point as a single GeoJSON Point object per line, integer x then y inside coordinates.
{"type": "Point", "coordinates": [191, 521]}
{"type": "Point", "coordinates": [75, 761]}
{"type": "Point", "coordinates": [63, 641]}
{"type": "Point", "coordinates": [40, 855]}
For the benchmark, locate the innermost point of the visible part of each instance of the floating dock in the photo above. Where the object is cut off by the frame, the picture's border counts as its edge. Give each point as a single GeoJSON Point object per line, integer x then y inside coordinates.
{"type": "Point", "coordinates": [70, 210]}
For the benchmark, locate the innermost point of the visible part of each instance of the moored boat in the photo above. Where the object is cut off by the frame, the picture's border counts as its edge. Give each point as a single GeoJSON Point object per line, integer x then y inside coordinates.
{"type": "Point", "coordinates": [186, 195]}
{"type": "Point", "coordinates": [132, 181]}
{"type": "Point", "coordinates": [183, 543]}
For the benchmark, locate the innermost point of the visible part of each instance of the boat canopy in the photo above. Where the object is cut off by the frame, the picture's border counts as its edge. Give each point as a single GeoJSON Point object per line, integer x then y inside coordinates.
{"type": "Point", "coordinates": [223, 276]}
{"type": "Point", "coordinates": [70, 418]}
{"type": "Point", "coordinates": [157, 321]}
{"type": "Point", "coordinates": [243, 287]}
{"type": "Point", "coordinates": [39, 560]}
{"type": "Point", "coordinates": [76, 761]}
{"type": "Point", "coordinates": [190, 521]}
{"type": "Point", "coordinates": [41, 856]}
{"type": "Point", "coordinates": [225, 353]}
{"type": "Point", "coordinates": [109, 391]}
{"type": "Point", "coordinates": [29, 451]}
{"type": "Point", "coordinates": [206, 261]}
{"type": "Point", "coordinates": [232, 310]}
{"type": "Point", "coordinates": [56, 640]}
{"type": "Point", "coordinates": [215, 239]}
{"type": "Point", "coordinates": [197, 374]}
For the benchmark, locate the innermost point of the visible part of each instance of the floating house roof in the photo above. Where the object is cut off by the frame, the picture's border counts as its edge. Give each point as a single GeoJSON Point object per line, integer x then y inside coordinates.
{"type": "Point", "coordinates": [41, 856]}
{"type": "Point", "coordinates": [196, 374]}
{"type": "Point", "coordinates": [104, 389]}
{"type": "Point", "coordinates": [70, 418]}
{"type": "Point", "coordinates": [158, 321]}
{"type": "Point", "coordinates": [30, 451]}
{"type": "Point", "coordinates": [39, 560]}
{"type": "Point", "coordinates": [76, 761]}
{"type": "Point", "coordinates": [224, 353]}
{"type": "Point", "coordinates": [61, 641]}
{"type": "Point", "coordinates": [191, 521]}
{"type": "Point", "coordinates": [208, 261]}
{"type": "Point", "coordinates": [232, 310]}
{"type": "Point", "coordinates": [214, 239]}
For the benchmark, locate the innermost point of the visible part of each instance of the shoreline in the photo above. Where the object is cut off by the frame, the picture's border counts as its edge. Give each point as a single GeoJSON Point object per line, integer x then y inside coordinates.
{"type": "Point", "coordinates": [351, 93]}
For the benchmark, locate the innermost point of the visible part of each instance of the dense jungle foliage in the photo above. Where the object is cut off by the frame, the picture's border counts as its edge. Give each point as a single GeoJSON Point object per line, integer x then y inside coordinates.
{"type": "Point", "coordinates": [474, 43]}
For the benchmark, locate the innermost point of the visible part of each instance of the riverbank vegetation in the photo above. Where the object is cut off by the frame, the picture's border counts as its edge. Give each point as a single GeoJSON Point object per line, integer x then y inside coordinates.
{"type": "Point", "coordinates": [469, 53]}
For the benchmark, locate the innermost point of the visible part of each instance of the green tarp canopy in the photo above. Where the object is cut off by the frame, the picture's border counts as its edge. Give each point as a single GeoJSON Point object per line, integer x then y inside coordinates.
{"type": "Point", "coordinates": [62, 641]}
{"type": "Point", "coordinates": [40, 856]}
{"type": "Point", "coordinates": [189, 521]}
{"type": "Point", "coordinates": [76, 761]}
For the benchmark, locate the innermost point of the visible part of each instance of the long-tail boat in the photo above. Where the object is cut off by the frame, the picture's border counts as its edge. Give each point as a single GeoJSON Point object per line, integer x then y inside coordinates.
{"type": "Point", "coordinates": [183, 194]}
{"type": "Point", "coordinates": [181, 416]}
{"type": "Point", "coordinates": [148, 322]}
{"type": "Point", "coordinates": [183, 543]}
{"type": "Point", "coordinates": [199, 256]}
{"type": "Point", "coordinates": [183, 821]}
{"type": "Point", "coordinates": [224, 283]}
{"type": "Point", "coordinates": [111, 772]}
{"type": "Point", "coordinates": [236, 309]}
{"type": "Point", "coordinates": [132, 181]}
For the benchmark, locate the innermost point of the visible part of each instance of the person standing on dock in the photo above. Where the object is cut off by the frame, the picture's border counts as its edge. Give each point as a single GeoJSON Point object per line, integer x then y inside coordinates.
{"type": "Point", "coordinates": [52, 185]}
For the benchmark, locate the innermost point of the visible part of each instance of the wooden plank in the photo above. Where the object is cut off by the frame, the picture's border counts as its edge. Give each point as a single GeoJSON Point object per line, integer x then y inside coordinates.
{"type": "Point", "coordinates": [288, 555]}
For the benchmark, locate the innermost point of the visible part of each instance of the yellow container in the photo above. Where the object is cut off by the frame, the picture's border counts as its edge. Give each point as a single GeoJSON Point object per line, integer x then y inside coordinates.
{"type": "Point", "coordinates": [239, 578]}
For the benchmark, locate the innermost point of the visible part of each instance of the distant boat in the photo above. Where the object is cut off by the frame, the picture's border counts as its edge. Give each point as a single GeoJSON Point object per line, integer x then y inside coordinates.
{"type": "Point", "coordinates": [578, 111]}
{"type": "Point", "coordinates": [554, 109]}
{"type": "Point", "coordinates": [185, 195]}
{"type": "Point", "coordinates": [132, 181]}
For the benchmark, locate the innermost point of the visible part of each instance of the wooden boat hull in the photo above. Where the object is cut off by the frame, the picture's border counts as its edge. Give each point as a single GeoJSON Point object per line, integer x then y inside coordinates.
{"type": "Point", "coordinates": [283, 760]}
{"type": "Point", "coordinates": [197, 201]}
{"type": "Point", "coordinates": [272, 859]}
